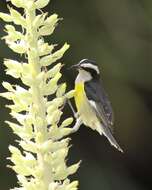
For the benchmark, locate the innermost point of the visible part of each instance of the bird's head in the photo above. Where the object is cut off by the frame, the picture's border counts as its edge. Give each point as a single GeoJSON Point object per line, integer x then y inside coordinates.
{"type": "Point", "coordinates": [87, 67]}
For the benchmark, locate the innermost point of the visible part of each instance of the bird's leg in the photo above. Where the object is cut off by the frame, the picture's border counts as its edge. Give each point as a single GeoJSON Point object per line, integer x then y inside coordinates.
{"type": "Point", "coordinates": [78, 122]}
{"type": "Point", "coordinates": [74, 112]}
{"type": "Point", "coordinates": [77, 125]}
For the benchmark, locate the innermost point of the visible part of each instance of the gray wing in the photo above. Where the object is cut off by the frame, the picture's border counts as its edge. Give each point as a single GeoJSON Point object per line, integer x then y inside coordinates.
{"type": "Point", "coordinates": [101, 104]}
{"type": "Point", "coordinates": [95, 91]}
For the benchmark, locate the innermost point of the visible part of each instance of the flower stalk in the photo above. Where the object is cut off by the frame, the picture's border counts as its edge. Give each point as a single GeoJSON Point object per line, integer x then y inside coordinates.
{"type": "Point", "coordinates": [40, 162]}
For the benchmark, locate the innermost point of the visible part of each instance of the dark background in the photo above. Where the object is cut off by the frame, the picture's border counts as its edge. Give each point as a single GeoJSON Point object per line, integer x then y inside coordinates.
{"type": "Point", "coordinates": [118, 35]}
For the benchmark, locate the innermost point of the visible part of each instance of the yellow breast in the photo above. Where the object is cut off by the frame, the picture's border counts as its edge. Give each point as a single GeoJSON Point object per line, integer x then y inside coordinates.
{"type": "Point", "coordinates": [79, 95]}
{"type": "Point", "coordinates": [85, 111]}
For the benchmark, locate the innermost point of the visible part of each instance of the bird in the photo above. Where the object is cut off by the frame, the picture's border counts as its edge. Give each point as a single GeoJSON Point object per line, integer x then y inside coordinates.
{"type": "Point", "coordinates": [93, 106]}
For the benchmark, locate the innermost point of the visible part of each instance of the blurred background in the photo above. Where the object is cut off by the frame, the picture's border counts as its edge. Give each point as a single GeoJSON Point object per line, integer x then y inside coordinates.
{"type": "Point", "coordinates": [118, 35]}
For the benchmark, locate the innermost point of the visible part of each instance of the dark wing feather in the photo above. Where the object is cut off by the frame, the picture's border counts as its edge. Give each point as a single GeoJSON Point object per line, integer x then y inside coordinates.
{"type": "Point", "coordinates": [95, 91]}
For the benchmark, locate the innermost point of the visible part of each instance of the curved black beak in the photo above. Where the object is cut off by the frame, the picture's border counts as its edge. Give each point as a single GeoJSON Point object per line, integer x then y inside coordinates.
{"type": "Point", "coordinates": [77, 66]}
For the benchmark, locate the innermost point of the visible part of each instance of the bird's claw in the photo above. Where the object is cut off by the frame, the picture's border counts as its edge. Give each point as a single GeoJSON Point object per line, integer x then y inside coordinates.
{"type": "Point", "coordinates": [77, 125]}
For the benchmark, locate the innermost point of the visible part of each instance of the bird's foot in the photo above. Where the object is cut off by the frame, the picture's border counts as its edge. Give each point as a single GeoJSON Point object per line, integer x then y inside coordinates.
{"type": "Point", "coordinates": [77, 125]}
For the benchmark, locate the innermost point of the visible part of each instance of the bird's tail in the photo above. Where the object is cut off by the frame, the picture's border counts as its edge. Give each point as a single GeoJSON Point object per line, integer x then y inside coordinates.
{"type": "Point", "coordinates": [107, 132]}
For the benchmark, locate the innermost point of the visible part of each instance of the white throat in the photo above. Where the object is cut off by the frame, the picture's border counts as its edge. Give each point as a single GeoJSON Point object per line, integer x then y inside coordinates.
{"type": "Point", "coordinates": [83, 76]}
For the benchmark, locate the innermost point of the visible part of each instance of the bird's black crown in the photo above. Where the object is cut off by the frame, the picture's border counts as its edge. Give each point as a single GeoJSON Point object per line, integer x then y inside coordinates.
{"type": "Point", "coordinates": [83, 61]}
{"type": "Point", "coordinates": [89, 66]}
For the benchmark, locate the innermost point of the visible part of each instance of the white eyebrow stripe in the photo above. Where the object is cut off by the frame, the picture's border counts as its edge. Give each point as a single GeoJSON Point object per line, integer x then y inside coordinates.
{"type": "Point", "coordinates": [89, 65]}
{"type": "Point", "coordinates": [82, 61]}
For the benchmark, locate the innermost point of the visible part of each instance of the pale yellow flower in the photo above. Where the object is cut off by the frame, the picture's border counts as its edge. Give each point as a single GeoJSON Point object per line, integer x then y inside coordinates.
{"type": "Point", "coordinates": [40, 164]}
